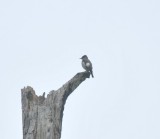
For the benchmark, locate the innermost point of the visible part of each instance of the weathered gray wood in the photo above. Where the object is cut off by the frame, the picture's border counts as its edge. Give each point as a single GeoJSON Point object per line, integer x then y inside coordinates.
{"type": "Point", "coordinates": [42, 117]}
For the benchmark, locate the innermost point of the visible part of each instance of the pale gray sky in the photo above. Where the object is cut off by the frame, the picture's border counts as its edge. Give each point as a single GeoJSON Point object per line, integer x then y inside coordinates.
{"type": "Point", "coordinates": [41, 42]}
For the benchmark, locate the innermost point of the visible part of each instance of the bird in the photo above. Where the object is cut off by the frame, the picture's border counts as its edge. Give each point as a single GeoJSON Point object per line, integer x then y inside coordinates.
{"type": "Point", "coordinates": [87, 65]}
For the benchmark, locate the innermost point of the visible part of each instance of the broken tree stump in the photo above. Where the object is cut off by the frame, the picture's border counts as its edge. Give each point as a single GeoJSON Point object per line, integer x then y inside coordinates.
{"type": "Point", "coordinates": [42, 117]}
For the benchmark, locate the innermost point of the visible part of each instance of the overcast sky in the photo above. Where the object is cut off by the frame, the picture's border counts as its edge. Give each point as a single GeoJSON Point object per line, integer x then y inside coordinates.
{"type": "Point", "coordinates": [41, 42]}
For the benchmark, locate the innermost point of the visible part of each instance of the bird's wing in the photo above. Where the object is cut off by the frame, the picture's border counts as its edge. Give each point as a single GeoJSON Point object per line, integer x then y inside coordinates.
{"type": "Point", "coordinates": [88, 64]}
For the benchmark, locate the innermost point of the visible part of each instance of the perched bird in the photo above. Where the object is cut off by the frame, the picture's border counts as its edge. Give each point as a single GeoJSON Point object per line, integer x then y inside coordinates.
{"type": "Point", "coordinates": [86, 64]}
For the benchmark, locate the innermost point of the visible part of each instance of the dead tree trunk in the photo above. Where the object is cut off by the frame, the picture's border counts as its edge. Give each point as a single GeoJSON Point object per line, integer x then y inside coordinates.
{"type": "Point", "coordinates": [42, 117]}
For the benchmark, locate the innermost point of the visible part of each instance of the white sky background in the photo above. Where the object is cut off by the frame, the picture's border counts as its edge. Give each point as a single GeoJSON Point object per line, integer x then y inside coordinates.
{"type": "Point", "coordinates": [41, 42]}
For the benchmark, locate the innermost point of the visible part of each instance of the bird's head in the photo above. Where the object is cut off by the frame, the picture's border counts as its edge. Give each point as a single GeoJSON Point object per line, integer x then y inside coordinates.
{"type": "Point", "coordinates": [84, 57]}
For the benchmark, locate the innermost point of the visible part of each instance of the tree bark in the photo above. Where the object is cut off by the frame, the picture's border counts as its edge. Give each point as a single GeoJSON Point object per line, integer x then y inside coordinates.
{"type": "Point", "coordinates": [42, 117]}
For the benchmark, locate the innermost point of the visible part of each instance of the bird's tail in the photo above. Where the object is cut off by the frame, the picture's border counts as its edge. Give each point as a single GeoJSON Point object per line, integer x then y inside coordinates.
{"type": "Point", "coordinates": [91, 73]}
